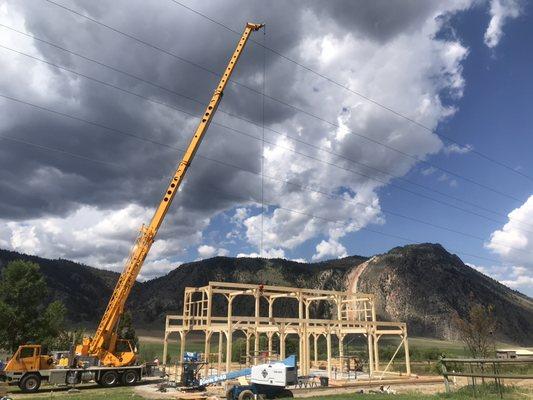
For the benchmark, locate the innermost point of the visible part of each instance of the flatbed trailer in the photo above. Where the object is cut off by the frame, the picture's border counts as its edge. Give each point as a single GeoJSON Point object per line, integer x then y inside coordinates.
{"type": "Point", "coordinates": [30, 381]}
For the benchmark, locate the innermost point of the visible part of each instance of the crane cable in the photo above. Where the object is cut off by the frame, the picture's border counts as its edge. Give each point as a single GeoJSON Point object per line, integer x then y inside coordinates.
{"type": "Point", "coordinates": [263, 145]}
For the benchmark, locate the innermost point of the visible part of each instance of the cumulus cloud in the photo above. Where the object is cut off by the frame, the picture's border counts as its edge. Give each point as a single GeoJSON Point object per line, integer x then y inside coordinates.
{"type": "Point", "coordinates": [329, 249]}
{"type": "Point", "coordinates": [514, 244]}
{"type": "Point", "coordinates": [500, 12]}
{"type": "Point", "coordinates": [391, 52]}
{"type": "Point", "coordinates": [514, 241]}
{"type": "Point", "coordinates": [206, 251]}
{"type": "Point", "coordinates": [515, 277]}
{"type": "Point", "coordinates": [98, 237]}
{"type": "Point", "coordinates": [269, 253]}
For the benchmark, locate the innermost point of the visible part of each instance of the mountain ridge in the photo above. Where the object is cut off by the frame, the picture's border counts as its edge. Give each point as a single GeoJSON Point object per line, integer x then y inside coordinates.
{"type": "Point", "coordinates": [423, 285]}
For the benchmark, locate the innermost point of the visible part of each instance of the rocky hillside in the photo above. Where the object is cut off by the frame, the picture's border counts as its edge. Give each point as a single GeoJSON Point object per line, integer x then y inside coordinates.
{"type": "Point", "coordinates": [423, 285]}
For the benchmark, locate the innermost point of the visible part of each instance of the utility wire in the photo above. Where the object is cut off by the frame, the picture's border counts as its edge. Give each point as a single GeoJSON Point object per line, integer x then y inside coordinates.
{"type": "Point", "coordinates": [276, 144]}
{"type": "Point", "coordinates": [233, 81]}
{"type": "Point", "coordinates": [65, 152]}
{"type": "Point", "coordinates": [303, 187]}
{"type": "Point", "coordinates": [75, 155]}
{"type": "Point", "coordinates": [361, 95]}
{"type": "Point", "coordinates": [313, 216]}
{"type": "Point", "coordinates": [320, 148]}
{"type": "Point", "coordinates": [254, 137]}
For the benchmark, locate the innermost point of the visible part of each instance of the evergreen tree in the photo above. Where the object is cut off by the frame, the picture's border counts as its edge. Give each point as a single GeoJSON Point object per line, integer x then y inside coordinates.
{"type": "Point", "coordinates": [24, 317]}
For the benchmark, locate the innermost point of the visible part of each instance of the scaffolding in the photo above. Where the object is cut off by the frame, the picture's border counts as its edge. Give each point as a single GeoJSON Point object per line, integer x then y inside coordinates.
{"type": "Point", "coordinates": [353, 313]}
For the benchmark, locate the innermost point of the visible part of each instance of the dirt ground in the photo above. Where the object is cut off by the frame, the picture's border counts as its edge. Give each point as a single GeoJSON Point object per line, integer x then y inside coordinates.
{"type": "Point", "coordinates": [422, 385]}
{"type": "Point", "coordinates": [428, 385]}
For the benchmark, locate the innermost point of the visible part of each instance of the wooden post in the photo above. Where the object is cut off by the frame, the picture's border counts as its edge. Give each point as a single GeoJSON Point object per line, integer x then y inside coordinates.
{"type": "Point", "coordinates": [282, 345]}
{"type": "Point", "coordinates": [307, 345]}
{"type": "Point", "coordinates": [165, 347]}
{"type": "Point", "coordinates": [328, 345]}
{"type": "Point", "coordinates": [341, 352]}
{"type": "Point", "coordinates": [229, 335]}
{"type": "Point", "coordinates": [209, 304]}
{"type": "Point", "coordinates": [207, 350]}
{"type": "Point", "coordinates": [269, 336]}
{"type": "Point", "coordinates": [315, 349]}
{"type": "Point", "coordinates": [247, 361]}
{"type": "Point", "coordinates": [307, 353]}
{"type": "Point", "coordinates": [376, 351]}
{"type": "Point", "coordinates": [183, 336]}
{"type": "Point", "coordinates": [407, 356]}
{"type": "Point", "coordinates": [370, 354]}
{"type": "Point", "coordinates": [219, 365]}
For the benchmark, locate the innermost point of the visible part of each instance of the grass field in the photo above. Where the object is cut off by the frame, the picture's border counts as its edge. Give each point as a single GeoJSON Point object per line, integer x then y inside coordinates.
{"type": "Point", "coordinates": [463, 394]}
{"type": "Point", "coordinates": [83, 394]}
{"type": "Point", "coordinates": [128, 393]}
{"type": "Point", "coordinates": [421, 349]}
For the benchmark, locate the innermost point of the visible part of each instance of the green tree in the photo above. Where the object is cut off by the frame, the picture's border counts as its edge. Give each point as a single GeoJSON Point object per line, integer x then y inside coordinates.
{"type": "Point", "coordinates": [24, 318]}
{"type": "Point", "coordinates": [126, 329]}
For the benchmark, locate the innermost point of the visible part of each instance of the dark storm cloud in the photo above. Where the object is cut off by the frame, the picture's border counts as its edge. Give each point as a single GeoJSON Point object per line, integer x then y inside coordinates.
{"type": "Point", "coordinates": [378, 19]}
{"type": "Point", "coordinates": [121, 194]}
{"type": "Point", "coordinates": [141, 168]}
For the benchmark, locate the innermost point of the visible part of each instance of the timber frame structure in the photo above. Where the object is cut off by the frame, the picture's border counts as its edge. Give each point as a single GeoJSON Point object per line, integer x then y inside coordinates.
{"type": "Point", "coordinates": [354, 313]}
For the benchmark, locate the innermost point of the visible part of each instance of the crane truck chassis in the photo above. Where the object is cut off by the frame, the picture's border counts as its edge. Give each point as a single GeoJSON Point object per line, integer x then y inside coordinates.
{"type": "Point", "coordinates": [28, 368]}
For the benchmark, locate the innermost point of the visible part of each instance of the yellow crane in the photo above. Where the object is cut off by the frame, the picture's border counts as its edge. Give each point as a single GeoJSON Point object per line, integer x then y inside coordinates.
{"type": "Point", "coordinates": [28, 366]}
{"type": "Point", "coordinates": [104, 343]}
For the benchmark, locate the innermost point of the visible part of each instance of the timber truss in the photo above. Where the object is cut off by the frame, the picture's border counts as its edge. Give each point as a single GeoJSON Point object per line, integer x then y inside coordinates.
{"type": "Point", "coordinates": [353, 314]}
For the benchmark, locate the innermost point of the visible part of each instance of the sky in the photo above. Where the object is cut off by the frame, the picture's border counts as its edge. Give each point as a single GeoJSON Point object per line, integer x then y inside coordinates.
{"type": "Point", "coordinates": [349, 127]}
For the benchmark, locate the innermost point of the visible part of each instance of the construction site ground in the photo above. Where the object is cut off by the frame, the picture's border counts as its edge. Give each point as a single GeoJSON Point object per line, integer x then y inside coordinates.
{"type": "Point", "coordinates": [422, 388]}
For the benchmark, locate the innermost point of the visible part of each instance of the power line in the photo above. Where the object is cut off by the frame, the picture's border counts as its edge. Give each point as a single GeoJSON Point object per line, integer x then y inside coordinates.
{"type": "Point", "coordinates": [320, 148]}
{"type": "Point", "coordinates": [287, 148]}
{"type": "Point", "coordinates": [251, 136]}
{"type": "Point", "coordinates": [121, 132]}
{"type": "Point", "coordinates": [64, 152]}
{"type": "Point", "coordinates": [47, 148]}
{"type": "Point", "coordinates": [409, 240]}
{"type": "Point", "coordinates": [233, 81]}
{"type": "Point", "coordinates": [367, 98]}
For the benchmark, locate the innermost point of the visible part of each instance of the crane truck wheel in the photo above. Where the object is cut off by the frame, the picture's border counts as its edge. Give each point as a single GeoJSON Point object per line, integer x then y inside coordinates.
{"type": "Point", "coordinates": [129, 378]}
{"type": "Point", "coordinates": [246, 395]}
{"type": "Point", "coordinates": [108, 379]}
{"type": "Point", "coordinates": [30, 383]}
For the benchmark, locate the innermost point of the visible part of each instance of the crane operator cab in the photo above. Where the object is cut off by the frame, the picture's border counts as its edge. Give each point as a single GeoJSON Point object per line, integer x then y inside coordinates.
{"type": "Point", "coordinates": [121, 352]}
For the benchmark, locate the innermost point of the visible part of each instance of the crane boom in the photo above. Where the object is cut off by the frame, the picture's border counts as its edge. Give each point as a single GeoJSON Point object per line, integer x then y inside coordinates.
{"type": "Point", "coordinates": [103, 344]}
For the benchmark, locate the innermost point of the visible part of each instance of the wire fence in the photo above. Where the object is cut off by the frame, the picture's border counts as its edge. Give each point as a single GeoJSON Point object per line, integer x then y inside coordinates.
{"type": "Point", "coordinates": [480, 372]}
